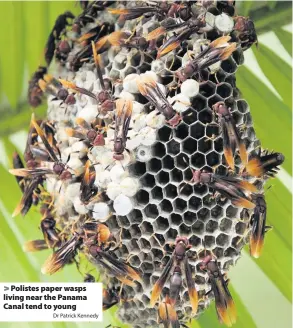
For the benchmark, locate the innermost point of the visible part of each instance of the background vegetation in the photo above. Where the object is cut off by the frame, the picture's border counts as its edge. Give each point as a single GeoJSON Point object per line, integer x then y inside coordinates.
{"type": "Point", "coordinates": [261, 288]}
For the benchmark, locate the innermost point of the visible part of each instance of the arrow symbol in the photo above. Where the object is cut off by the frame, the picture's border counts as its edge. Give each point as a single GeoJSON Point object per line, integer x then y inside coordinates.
{"type": "Point", "coordinates": [6, 288]}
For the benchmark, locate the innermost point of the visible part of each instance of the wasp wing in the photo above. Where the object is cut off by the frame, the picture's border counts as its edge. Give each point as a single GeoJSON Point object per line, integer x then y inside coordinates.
{"type": "Point", "coordinates": [193, 296]}
{"type": "Point", "coordinates": [258, 231]}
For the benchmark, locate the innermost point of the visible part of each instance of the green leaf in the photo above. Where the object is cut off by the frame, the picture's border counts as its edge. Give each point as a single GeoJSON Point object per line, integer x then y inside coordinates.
{"type": "Point", "coordinates": [12, 40]}
{"type": "Point", "coordinates": [285, 38]}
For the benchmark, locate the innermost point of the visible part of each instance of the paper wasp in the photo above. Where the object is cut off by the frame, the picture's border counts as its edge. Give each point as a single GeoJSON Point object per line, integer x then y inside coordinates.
{"type": "Point", "coordinates": [245, 31]}
{"type": "Point", "coordinates": [167, 315]}
{"type": "Point", "coordinates": [35, 93]}
{"type": "Point", "coordinates": [90, 133]}
{"type": "Point", "coordinates": [122, 121]}
{"type": "Point", "coordinates": [230, 133]}
{"type": "Point", "coordinates": [88, 190]}
{"type": "Point", "coordinates": [225, 306]}
{"type": "Point", "coordinates": [110, 297]}
{"type": "Point", "coordinates": [47, 155]}
{"type": "Point", "coordinates": [230, 187]}
{"type": "Point", "coordinates": [60, 25]}
{"type": "Point", "coordinates": [62, 51]}
{"type": "Point", "coordinates": [265, 164]}
{"type": "Point", "coordinates": [184, 31]}
{"type": "Point", "coordinates": [174, 269]}
{"type": "Point", "coordinates": [218, 50]}
{"type": "Point", "coordinates": [149, 88]}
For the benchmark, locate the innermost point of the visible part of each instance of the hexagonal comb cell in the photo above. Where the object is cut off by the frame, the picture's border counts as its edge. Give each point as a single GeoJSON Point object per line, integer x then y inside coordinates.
{"type": "Point", "coordinates": [199, 102]}
{"type": "Point", "coordinates": [181, 131]}
{"type": "Point", "coordinates": [148, 180]}
{"type": "Point", "coordinates": [168, 162]}
{"type": "Point", "coordinates": [142, 197]}
{"type": "Point", "coordinates": [162, 178]}
{"type": "Point", "coordinates": [159, 150]}
{"type": "Point", "coordinates": [166, 206]}
{"type": "Point", "coordinates": [198, 161]}
{"type": "Point", "coordinates": [154, 165]}
{"type": "Point", "coordinates": [205, 116]}
{"type": "Point", "coordinates": [171, 191]}
{"type": "Point", "coordinates": [180, 205]}
{"type": "Point", "coordinates": [173, 147]}
{"type": "Point", "coordinates": [229, 66]}
{"type": "Point", "coordinates": [189, 146]}
{"type": "Point", "coordinates": [189, 116]}
{"type": "Point", "coordinates": [176, 175]}
{"type": "Point", "coordinates": [164, 133]}
{"type": "Point", "coordinates": [224, 90]}
{"type": "Point", "coordinates": [207, 89]}
{"type": "Point", "coordinates": [157, 193]}
{"type": "Point", "coordinates": [161, 224]}
{"type": "Point", "coordinates": [197, 130]}
{"type": "Point", "coordinates": [151, 211]}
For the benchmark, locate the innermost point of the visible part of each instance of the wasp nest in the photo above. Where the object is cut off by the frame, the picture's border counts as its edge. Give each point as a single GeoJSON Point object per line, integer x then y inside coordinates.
{"type": "Point", "coordinates": [144, 94]}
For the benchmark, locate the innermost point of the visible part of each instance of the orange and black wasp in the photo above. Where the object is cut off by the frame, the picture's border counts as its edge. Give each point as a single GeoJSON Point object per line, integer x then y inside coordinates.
{"type": "Point", "coordinates": [91, 232]}
{"type": "Point", "coordinates": [149, 88]}
{"type": "Point", "coordinates": [35, 93]}
{"type": "Point", "coordinates": [183, 31]}
{"type": "Point", "coordinates": [245, 32]}
{"type": "Point", "coordinates": [258, 226]}
{"type": "Point", "coordinates": [174, 269]}
{"type": "Point", "coordinates": [44, 155]}
{"type": "Point", "coordinates": [60, 25]}
{"type": "Point", "coordinates": [264, 164]}
{"type": "Point", "coordinates": [231, 135]}
{"type": "Point", "coordinates": [90, 133]}
{"type": "Point", "coordinates": [225, 306]}
{"type": "Point", "coordinates": [111, 297]}
{"type": "Point", "coordinates": [229, 187]}
{"type": "Point", "coordinates": [122, 120]}
{"type": "Point", "coordinates": [167, 315]}
{"type": "Point", "coordinates": [88, 190]}
{"type": "Point", "coordinates": [218, 50]}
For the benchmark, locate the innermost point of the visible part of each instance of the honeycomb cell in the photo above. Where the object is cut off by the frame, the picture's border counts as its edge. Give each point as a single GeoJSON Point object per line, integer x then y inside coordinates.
{"type": "Point", "coordinates": [218, 145]}
{"type": "Point", "coordinates": [180, 205]}
{"type": "Point", "coordinates": [171, 234]}
{"type": "Point", "coordinates": [176, 175]}
{"type": "Point", "coordinates": [230, 252]}
{"type": "Point", "coordinates": [112, 223]}
{"type": "Point", "coordinates": [166, 206]}
{"type": "Point", "coordinates": [158, 254]}
{"type": "Point", "coordinates": [198, 161]}
{"type": "Point", "coordinates": [168, 162]}
{"type": "Point", "coordinates": [242, 106]}
{"type": "Point", "coordinates": [146, 229]}
{"type": "Point", "coordinates": [208, 201]}
{"type": "Point", "coordinates": [176, 219]}
{"type": "Point", "coordinates": [198, 227]}
{"type": "Point", "coordinates": [194, 241]}
{"type": "Point", "coordinates": [205, 145]}
{"type": "Point", "coordinates": [148, 180]}
{"type": "Point", "coordinates": [135, 231]}
{"type": "Point", "coordinates": [189, 217]}
{"type": "Point", "coordinates": [135, 59]}
{"type": "Point", "coordinates": [200, 190]}
{"type": "Point", "coordinates": [164, 133]}
{"type": "Point", "coordinates": [194, 203]}
{"type": "Point", "coordinates": [161, 224]}
{"type": "Point", "coordinates": [211, 226]}
{"type": "Point", "coordinates": [182, 161]}
{"type": "Point", "coordinates": [238, 117]}
{"type": "Point", "coordinates": [213, 100]}
{"type": "Point", "coordinates": [171, 191]}
{"type": "Point", "coordinates": [137, 169]}
{"type": "Point", "coordinates": [185, 189]}
{"type": "Point", "coordinates": [222, 240]}
{"type": "Point", "coordinates": [209, 241]}
{"type": "Point", "coordinates": [163, 178]}
{"type": "Point", "coordinates": [189, 146]}
{"type": "Point", "coordinates": [181, 131]}
{"type": "Point", "coordinates": [224, 90]}
{"type": "Point", "coordinates": [159, 150]}
{"type": "Point", "coordinates": [135, 216]}
{"type": "Point", "coordinates": [205, 116]}
{"type": "Point", "coordinates": [123, 221]}
{"type": "Point", "coordinates": [157, 193]}
{"type": "Point", "coordinates": [207, 89]}
{"type": "Point", "coordinates": [184, 230]}
{"type": "Point", "coordinates": [217, 212]}
{"type": "Point", "coordinates": [154, 165]}
{"type": "Point", "coordinates": [218, 251]}
{"type": "Point", "coordinates": [145, 245]}
{"type": "Point", "coordinates": [189, 116]}
{"type": "Point", "coordinates": [199, 102]}
{"type": "Point", "coordinates": [238, 57]}
{"type": "Point", "coordinates": [173, 147]}
{"type": "Point", "coordinates": [197, 130]}
{"type": "Point", "coordinates": [229, 66]}
{"type": "Point", "coordinates": [142, 197]}
{"type": "Point", "coordinates": [213, 159]}
{"type": "Point", "coordinates": [134, 261]}
{"type": "Point", "coordinates": [240, 228]}
{"type": "Point", "coordinates": [129, 70]}
{"type": "Point", "coordinates": [212, 131]}
{"type": "Point", "coordinates": [203, 213]}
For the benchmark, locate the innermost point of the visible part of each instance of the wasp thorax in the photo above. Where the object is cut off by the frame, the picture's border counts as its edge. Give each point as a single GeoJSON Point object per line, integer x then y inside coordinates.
{"type": "Point", "coordinates": [62, 94]}
{"type": "Point", "coordinates": [91, 135]}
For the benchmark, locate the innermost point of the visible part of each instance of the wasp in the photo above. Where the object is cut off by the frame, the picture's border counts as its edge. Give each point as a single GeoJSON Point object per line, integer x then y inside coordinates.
{"type": "Point", "coordinates": [35, 93]}
{"type": "Point", "coordinates": [91, 133]}
{"type": "Point", "coordinates": [225, 306]}
{"type": "Point", "coordinates": [174, 269]}
{"type": "Point", "coordinates": [88, 190]}
{"type": "Point", "coordinates": [136, 12]}
{"type": "Point", "coordinates": [265, 164]}
{"type": "Point", "coordinates": [230, 133]}
{"type": "Point", "coordinates": [230, 187]}
{"type": "Point", "coordinates": [110, 297]}
{"type": "Point", "coordinates": [258, 226]}
{"type": "Point", "coordinates": [218, 50]}
{"type": "Point", "coordinates": [62, 51]}
{"type": "Point", "coordinates": [46, 155]}
{"type": "Point", "coordinates": [184, 31]}
{"type": "Point", "coordinates": [149, 88]}
{"type": "Point", "coordinates": [60, 25]}
{"type": "Point", "coordinates": [122, 121]}
{"type": "Point", "coordinates": [167, 315]}
{"type": "Point", "coordinates": [245, 32]}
